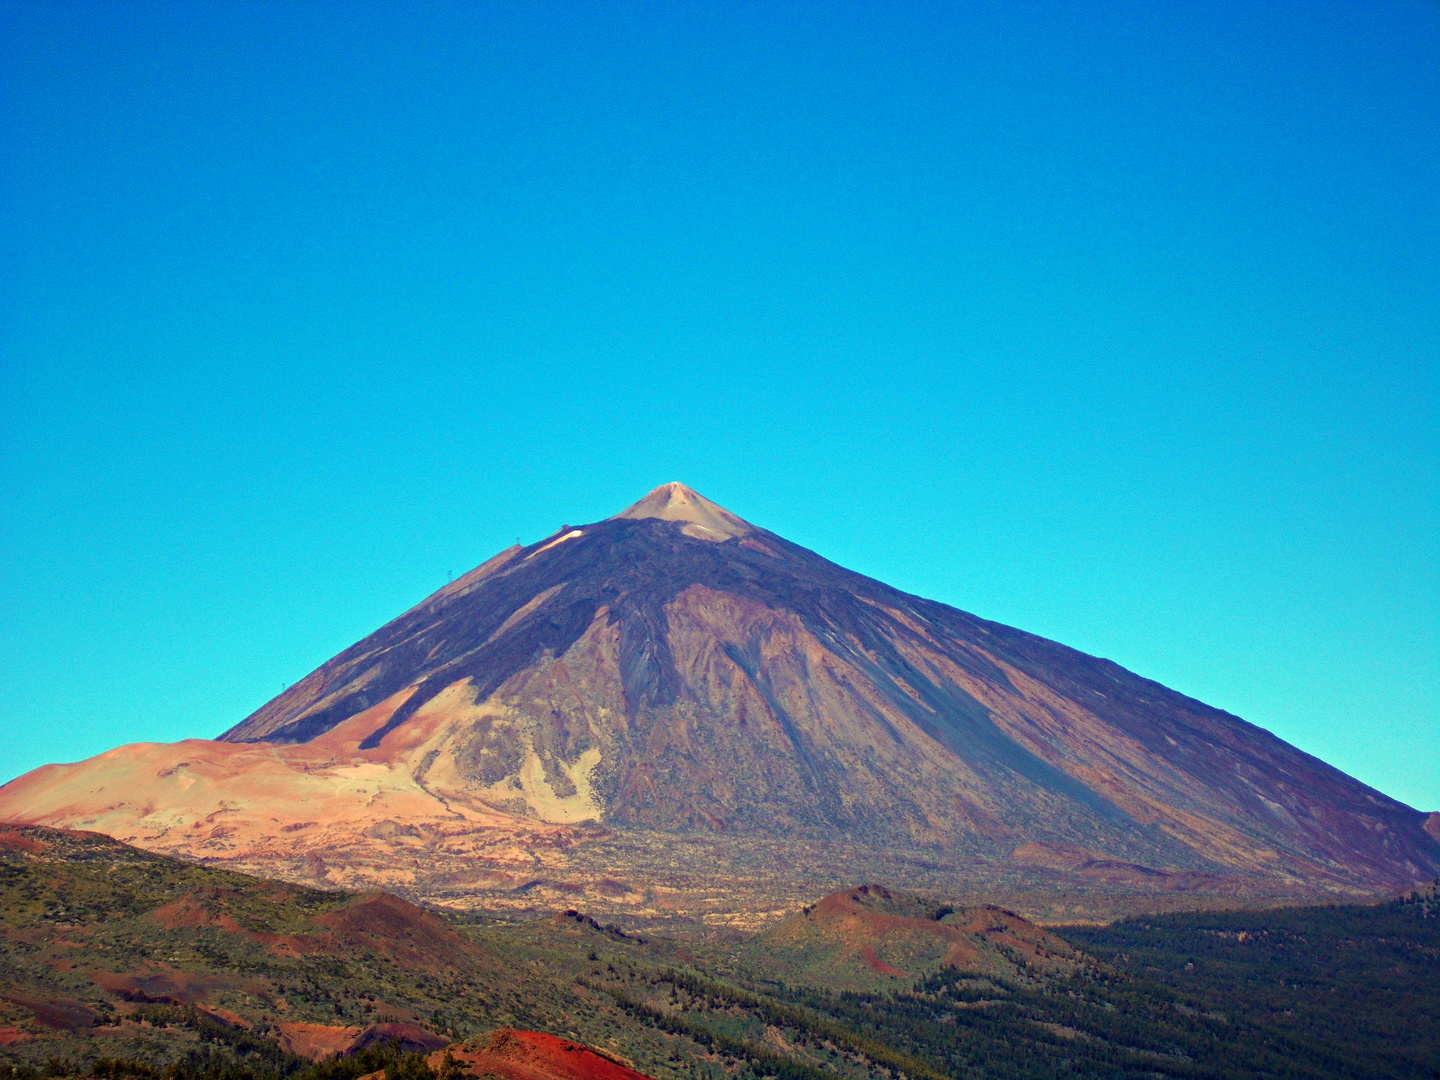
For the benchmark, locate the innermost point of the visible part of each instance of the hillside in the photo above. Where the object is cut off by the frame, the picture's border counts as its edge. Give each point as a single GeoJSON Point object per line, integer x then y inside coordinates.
{"type": "Point", "coordinates": [870, 938]}
{"type": "Point", "coordinates": [95, 933]}
{"type": "Point", "coordinates": [1341, 981]}
{"type": "Point", "coordinates": [117, 962]}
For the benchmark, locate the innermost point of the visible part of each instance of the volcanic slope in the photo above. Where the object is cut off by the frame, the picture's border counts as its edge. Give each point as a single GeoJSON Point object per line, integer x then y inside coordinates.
{"type": "Point", "coordinates": [870, 938]}
{"type": "Point", "coordinates": [678, 675]}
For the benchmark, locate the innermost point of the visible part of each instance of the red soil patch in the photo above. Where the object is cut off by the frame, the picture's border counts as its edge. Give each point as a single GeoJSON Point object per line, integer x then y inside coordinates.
{"type": "Point", "coordinates": [867, 953]}
{"type": "Point", "coordinates": [865, 926]}
{"type": "Point", "coordinates": [197, 910]}
{"type": "Point", "coordinates": [533, 1055]}
{"type": "Point", "coordinates": [61, 1015]}
{"type": "Point", "coordinates": [11, 1035]}
{"type": "Point", "coordinates": [962, 955]}
{"type": "Point", "coordinates": [404, 933]}
{"type": "Point", "coordinates": [14, 840]}
{"type": "Point", "coordinates": [187, 912]}
{"type": "Point", "coordinates": [853, 921]}
{"type": "Point", "coordinates": [314, 1041]}
{"type": "Point", "coordinates": [159, 987]}
{"type": "Point", "coordinates": [294, 944]}
{"type": "Point", "coordinates": [1011, 930]}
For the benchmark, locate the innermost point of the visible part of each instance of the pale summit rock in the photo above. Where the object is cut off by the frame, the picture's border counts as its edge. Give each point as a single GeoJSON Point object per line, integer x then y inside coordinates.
{"type": "Point", "coordinates": [676, 502]}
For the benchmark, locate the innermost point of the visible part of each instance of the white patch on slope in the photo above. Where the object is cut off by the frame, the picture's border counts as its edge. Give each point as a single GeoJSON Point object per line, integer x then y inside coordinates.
{"type": "Point", "coordinates": [568, 536]}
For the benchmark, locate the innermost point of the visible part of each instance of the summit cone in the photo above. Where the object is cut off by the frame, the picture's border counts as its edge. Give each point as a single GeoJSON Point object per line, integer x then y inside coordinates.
{"type": "Point", "coordinates": [676, 502]}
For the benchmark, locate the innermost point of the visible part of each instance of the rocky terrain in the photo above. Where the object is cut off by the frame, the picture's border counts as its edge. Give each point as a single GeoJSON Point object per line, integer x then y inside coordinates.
{"type": "Point", "coordinates": [117, 962]}
{"type": "Point", "coordinates": [675, 714]}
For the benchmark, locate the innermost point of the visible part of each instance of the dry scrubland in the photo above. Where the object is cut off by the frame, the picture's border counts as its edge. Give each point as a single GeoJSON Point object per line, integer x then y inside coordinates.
{"type": "Point", "coordinates": [117, 962]}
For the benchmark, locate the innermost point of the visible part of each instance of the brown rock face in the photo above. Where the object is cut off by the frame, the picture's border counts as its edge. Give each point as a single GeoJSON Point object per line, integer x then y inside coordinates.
{"type": "Point", "coordinates": [590, 714]}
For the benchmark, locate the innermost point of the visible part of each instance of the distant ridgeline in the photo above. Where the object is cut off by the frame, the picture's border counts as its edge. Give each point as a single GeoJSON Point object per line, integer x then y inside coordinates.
{"type": "Point", "coordinates": [115, 962]}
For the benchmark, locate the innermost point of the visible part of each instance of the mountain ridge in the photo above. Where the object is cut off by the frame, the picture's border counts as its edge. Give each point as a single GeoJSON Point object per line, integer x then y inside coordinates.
{"type": "Point", "coordinates": [675, 671]}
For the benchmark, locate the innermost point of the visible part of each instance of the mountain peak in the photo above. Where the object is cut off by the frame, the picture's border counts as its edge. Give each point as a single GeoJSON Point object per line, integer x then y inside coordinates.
{"type": "Point", "coordinates": [616, 699]}
{"type": "Point", "coordinates": [676, 502]}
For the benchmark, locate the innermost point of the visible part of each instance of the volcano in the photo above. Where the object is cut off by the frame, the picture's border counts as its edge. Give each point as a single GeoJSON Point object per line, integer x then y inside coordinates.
{"type": "Point", "coordinates": [672, 705]}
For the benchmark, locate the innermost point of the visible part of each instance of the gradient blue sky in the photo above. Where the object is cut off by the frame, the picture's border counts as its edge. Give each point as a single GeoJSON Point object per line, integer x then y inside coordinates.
{"type": "Point", "coordinates": [1116, 322]}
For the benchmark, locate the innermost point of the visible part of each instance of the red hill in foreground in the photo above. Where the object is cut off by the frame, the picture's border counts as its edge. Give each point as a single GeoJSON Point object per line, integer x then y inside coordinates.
{"type": "Point", "coordinates": [623, 711]}
{"type": "Point", "coordinates": [533, 1055]}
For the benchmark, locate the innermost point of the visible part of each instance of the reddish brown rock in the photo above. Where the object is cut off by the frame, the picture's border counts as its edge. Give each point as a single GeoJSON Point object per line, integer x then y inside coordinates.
{"type": "Point", "coordinates": [533, 1055]}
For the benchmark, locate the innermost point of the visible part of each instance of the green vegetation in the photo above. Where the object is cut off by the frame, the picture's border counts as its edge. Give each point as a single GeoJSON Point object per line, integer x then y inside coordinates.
{"type": "Point", "coordinates": [1357, 983]}
{"type": "Point", "coordinates": [210, 1064]}
{"type": "Point", "coordinates": [116, 964]}
{"type": "Point", "coordinates": [953, 1024]}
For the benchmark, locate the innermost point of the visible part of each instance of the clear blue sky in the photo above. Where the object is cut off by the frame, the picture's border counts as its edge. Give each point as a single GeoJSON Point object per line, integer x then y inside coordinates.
{"type": "Point", "coordinates": [1116, 322]}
